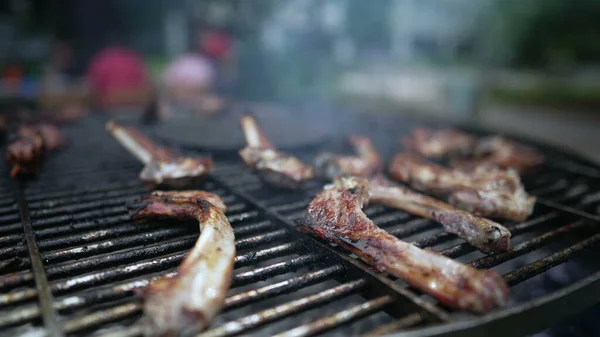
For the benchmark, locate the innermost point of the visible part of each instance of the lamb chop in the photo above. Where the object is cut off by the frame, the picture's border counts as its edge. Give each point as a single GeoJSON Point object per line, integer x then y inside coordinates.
{"type": "Point", "coordinates": [335, 215]}
{"type": "Point", "coordinates": [26, 151]}
{"type": "Point", "coordinates": [467, 151]}
{"type": "Point", "coordinates": [439, 143]}
{"type": "Point", "coordinates": [500, 152]}
{"type": "Point", "coordinates": [367, 163]}
{"type": "Point", "coordinates": [486, 235]}
{"type": "Point", "coordinates": [485, 190]}
{"type": "Point", "coordinates": [188, 302]}
{"type": "Point", "coordinates": [163, 166]}
{"type": "Point", "coordinates": [275, 167]}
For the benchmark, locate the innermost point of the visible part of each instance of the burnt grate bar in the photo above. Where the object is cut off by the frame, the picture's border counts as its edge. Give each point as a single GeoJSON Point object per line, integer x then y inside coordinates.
{"type": "Point", "coordinates": [330, 322]}
{"type": "Point", "coordinates": [247, 323]}
{"type": "Point", "coordinates": [45, 297]}
{"type": "Point", "coordinates": [550, 261]}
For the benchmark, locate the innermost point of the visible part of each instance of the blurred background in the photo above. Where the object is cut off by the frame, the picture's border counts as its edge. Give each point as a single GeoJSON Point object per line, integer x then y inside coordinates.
{"type": "Point", "coordinates": [528, 67]}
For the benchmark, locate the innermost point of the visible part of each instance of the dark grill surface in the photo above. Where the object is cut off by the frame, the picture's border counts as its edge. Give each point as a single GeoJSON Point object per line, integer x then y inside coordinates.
{"type": "Point", "coordinates": [92, 258]}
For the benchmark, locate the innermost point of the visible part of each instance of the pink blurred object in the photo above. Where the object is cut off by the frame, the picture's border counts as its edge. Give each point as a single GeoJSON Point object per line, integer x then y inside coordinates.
{"type": "Point", "coordinates": [116, 71]}
{"type": "Point", "coordinates": [216, 45]}
{"type": "Point", "coordinates": [188, 74]}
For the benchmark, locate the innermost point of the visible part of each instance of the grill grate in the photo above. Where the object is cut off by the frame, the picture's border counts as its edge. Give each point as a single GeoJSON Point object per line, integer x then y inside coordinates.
{"type": "Point", "coordinates": [95, 258]}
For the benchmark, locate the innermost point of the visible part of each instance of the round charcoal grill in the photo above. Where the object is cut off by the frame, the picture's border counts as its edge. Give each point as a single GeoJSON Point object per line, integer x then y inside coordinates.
{"type": "Point", "coordinates": [71, 259]}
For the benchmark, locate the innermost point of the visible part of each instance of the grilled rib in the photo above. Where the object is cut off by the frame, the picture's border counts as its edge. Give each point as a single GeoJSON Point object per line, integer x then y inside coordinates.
{"type": "Point", "coordinates": [275, 167]}
{"type": "Point", "coordinates": [484, 234]}
{"type": "Point", "coordinates": [336, 215]}
{"type": "Point", "coordinates": [188, 302]}
{"type": "Point", "coordinates": [438, 143]}
{"type": "Point", "coordinates": [469, 152]}
{"type": "Point", "coordinates": [366, 163]}
{"type": "Point", "coordinates": [485, 191]}
{"type": "Point", "coordinates": [26, 151]}
{"type": "Point", "coordinates": [500, 152]}
{"type": "Point", "coordinates": [163, 166]}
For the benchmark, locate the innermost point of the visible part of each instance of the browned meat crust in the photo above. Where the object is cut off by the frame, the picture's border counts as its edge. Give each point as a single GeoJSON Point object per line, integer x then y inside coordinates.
{"type": "Point", "coordinates": [366, 163]}
{"type": "Point", "coordinates": [275, 167]}
{"type": "Point", "coordinates": [484, 234]}
{"type": "Point", "coordinates": [163, 166]}
{"type": "Point", "coordinates": [438, 143]}
{"type": "Point", "coordinates": [485, 191]}
{"type": "Point", "coordinates": [188, 302]}
{"type": "Point", "coordinates": [26, 151]}
{"type": "Point", "coordinates": [469, 152]}
{"type": "Point", "coordinates": [335, 215]}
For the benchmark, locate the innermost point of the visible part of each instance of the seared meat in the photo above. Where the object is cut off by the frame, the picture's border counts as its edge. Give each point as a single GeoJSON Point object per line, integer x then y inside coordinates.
{"type": "Point", "coordinates": [335, 215]}
{"type": "Point", "coordinates": [485, 191]}
{"type": "Point", "coordinates": [438, 143]}
{"type": "Point", "coordinates": [188, 302]}
{"type": "Point", "coordinates": [52, 136]}
{"type": "Point", "coordinates": [365, 164]}
{"type": "Point", "coordinates": [163, 166]}
{"type": "Point", "coordinates": [466, 151]}
{"type": "Point", "coordinates": [26, 151]}
{"type": "Point", "coordinates": [277, 168]}
{"type": "Point", "coordinates": [500, 152]}
{"type": "Point", "coordinates": [487, 235]}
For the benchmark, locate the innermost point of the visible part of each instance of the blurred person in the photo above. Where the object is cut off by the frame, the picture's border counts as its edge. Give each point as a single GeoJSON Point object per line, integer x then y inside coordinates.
{"type": "Point", "coordinates": [197, 79]}
{"type": "Point", "coordinates": [62, 93]}
{"type": "Point", "coordinates": [117, 76]}
{"type": "Point", "coordinates": [217, 45]}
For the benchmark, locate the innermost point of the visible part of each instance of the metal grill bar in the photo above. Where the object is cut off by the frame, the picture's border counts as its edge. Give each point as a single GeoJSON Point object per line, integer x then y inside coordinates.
{"type": "Point", "coordinates": [265, 316]}
{"type": "Point", "coordinates": [45, 296]}
{"type": "Point", "coordinates": [339, 318]}
{"type": "Point", "coordinates": [401, 324]}
{"type": "Point", "coordinates": [286, 286]}
{"type": "Point", "coordinates": [550, 261]}
{"type": "Point", "coordinates": [128, 309]}
{"type": "Point", "coordinates": [71, 268]}
{"type": "Point", "coordinates": [525, 247]}
{"type": "Point", "coordinates": [30, 312]}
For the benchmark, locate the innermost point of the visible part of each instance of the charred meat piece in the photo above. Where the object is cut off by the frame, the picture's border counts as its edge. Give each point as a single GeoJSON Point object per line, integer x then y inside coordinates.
{"type": "Point", "coordinates": [275, 167]}
{"type": "Point", "coordinates": [467, 151]}
{"type": "Point", "coordinates": [336, 215]}
{"type": "Point", "coordinates": [26, 151]}
{"type": "Point", "coordinates": [365, 164]}
{"type": "Point", "coordinates": [485, 191]}
{"type": "Point", "coordinates": [188, 302]}
{"type": "Point", "coordinates": [500, 152]}
{"type": "Point", "coordinates": [439, 143]}
{"type": "Point", "coordinates": [484, 234]}
{"type": "Point", "coordinates": [163, 166]}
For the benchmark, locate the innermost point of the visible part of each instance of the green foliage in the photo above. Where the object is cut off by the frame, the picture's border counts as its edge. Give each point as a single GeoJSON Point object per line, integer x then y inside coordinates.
{"type": "Point", "coordinates": [552, 33]}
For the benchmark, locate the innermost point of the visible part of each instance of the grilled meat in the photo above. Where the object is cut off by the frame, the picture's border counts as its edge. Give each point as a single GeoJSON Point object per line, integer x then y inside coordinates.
{"type": "Point", "coordinates": [484, 234]}
{"type": "Point", "coordinates": [500, 152]}
{"type": "Point", "coordinates": [438, 143]}
{"type": "Point", "coordinates": [365, 164]}
{"type": "Point", "coordinates": [188, 302]}
{"type": "Point", "coordinates": [335, 215]}
{"type": "Point", "coordinates": [26, 151]}
{"type": "Point", "coordinates": [467, 151]}
{"type": "Point", "coordinates": [163, 166]}
{"type": "Point", "coordinates": [485, 191]}
{"type": "Point", "coordinates": [275, 167]}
